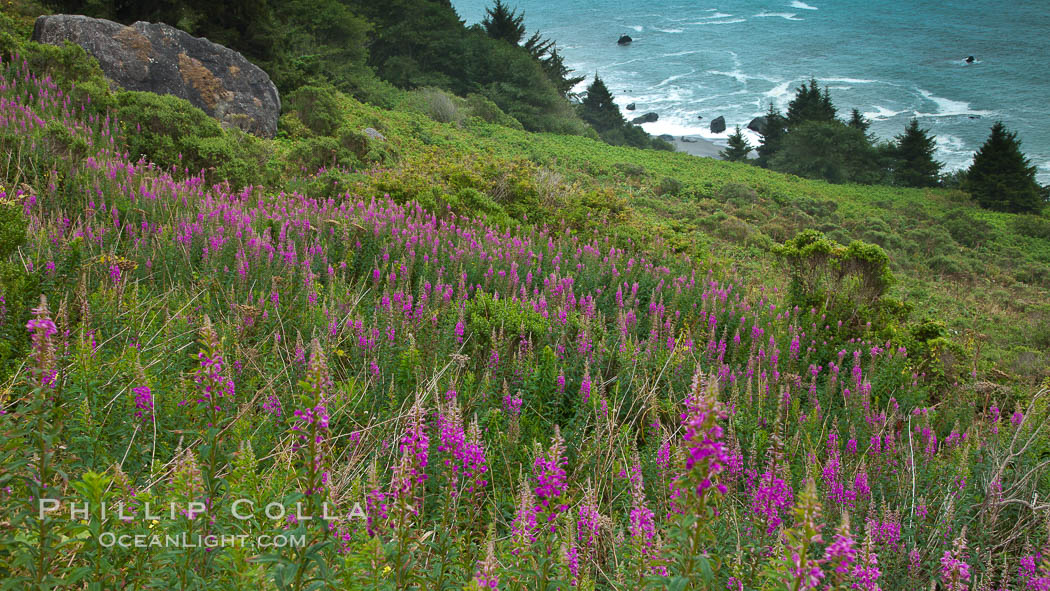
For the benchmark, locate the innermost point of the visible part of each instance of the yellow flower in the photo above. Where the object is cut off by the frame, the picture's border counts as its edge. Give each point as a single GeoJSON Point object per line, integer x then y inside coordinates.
{"type": "Point", "coordinates": [386, 569]}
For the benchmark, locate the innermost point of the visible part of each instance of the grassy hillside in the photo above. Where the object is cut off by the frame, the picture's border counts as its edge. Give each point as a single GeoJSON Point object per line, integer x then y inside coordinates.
{"type": "Point", "coordinates": [497, 359]}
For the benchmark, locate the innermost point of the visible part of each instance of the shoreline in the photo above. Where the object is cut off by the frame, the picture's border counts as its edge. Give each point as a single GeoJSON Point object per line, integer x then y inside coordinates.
{"type": "Point", "coordinates": [697, 146]}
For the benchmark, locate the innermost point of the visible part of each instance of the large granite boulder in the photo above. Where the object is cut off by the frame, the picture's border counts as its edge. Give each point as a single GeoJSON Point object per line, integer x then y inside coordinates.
{"type": "Point", "coordinates": [647, 118]}
{"type": "Point", "coordinates": [158, 58]}
{"type": "Point", "coordinates": [718, 124]}
{"type": "Point", "coordinates": [758, 124]}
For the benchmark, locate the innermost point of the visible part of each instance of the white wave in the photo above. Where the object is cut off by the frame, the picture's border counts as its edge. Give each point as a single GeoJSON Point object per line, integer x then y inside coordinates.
{"type": "Point", "coordinates": [950, 143]}
{"type": "Point", "coordinates": [728, 21]}
{"type": "Point", "coordinates": [668, 30]}
{"type": "Point", "coordinates": [741, 77]}
{"type": "Point", "coordinates": [637, 28]}
{"type": "Point", "coordinates": [673, 78]}
{"type": "Point", "coordinates": [881, 113]}
{"type": "Point", "coordinates": [681, 53]}
{"type": "Point", "coordinates": [791, 16]}
{"type": "Point", "coordinates": [780, 94]}
{"type": "Point", "coordinates": [802, 5]}
{"type": "Point", "coordinates": [849, 80]}
{"type": "Point", "coordinates": [716, 15]}
{"type": "Point", "coordinates": [949, 108]}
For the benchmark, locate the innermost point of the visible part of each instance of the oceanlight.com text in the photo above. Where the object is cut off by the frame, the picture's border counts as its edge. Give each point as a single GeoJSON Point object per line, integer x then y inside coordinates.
{"type": "Point", "coordinates": [109, 540]}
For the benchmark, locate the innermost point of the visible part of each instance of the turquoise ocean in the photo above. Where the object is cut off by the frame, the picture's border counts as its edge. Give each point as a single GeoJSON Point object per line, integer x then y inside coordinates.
{"type": "Point", "coordinates": [692, 61]}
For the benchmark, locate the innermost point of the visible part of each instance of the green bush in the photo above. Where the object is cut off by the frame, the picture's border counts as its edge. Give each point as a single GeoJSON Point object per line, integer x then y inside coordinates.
{"type": "Point", "coordinates": [736, 193]}
{"type": "Point", "coordinates": [165, 129]}
{"type": "Point", "coordinates": [669, 186]}
{"type": "Point", "coordinates": [1033, 226]}
{"type": "Point", "coordinates": [489, 112]}
{"type": "Point", "coordinates": [967, 230]}
{"type": "Point", "coordinates": [317, 107]}
{"type": "Point", "coordinates": [311, 154]}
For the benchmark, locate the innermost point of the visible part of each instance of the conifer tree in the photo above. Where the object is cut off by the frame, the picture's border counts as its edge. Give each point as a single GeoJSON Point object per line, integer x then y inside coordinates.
{"type": "Point", "coordinates": [810, 104]}
{"type": "Point", "coordinates": [857, 121]}
{"type": "Point", "coordinates": [504, 23]}
{"type": "Point", "coordinates": [738, 148]}
{"type": "Point", "coordinates": [598, 108]}
{"type": "Point", "coordinates": [772, 135]}
{"type": "Point", "coordinates": [1001, 177]}
{"type": "Point", "coordinates": [915, 166]}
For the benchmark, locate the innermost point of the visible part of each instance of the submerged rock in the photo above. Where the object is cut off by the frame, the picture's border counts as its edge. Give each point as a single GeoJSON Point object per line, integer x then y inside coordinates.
{"type": "Point", "coordinates": [624, 40]}
{"type": "Point", "coordinates": [158, 58]}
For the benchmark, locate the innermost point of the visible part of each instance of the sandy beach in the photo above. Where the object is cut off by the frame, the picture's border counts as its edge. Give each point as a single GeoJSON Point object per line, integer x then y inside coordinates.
{"type": "Point", "coordinates": [697, 146]}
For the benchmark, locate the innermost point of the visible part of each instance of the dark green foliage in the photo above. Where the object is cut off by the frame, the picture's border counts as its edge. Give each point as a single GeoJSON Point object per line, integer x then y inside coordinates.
{"type": "Point", "coordinates": [738, 148]}
{"type": "Point", "coordinates": [830, 150]}
{"type": "Point", "coordinates": [598, 108]}
{"type": "Point", "coordinates": [669, 186]}
{"type": "Point", "coordinates": [1033, 226]}
{"type": "Point", "coordinates": [170, 132]}
{"type": "Point", "coordinates": [967, 229]}
{"type": "Point", "coordinates": [857, 121]}
{"type": "Point", "coordinates": [810, 104]}
{"type": "Point", "coordinates": [504, 23]}
{"type": "Point", "coordinates": [317, 107]}
{"type": "Point", "coordinates": [915, 166]}
{"type": "Point", "coordinates": [1001, 177]}
{"type": "Point", "coordinates": [162, 128]}
{"type": "Point", "coordinates": [16, 286]}
{"type": "Point", "coordinates": [489, 112]}
{"type": "Point", "coordinates": [772, 137]}
{"type": "Point", "coordinates": [321, 41]}
{"type": "Point", "coordinates": [825, 274]}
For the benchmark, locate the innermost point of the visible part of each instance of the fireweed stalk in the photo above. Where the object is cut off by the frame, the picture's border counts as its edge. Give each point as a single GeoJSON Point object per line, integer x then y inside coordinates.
{"type": "Point", "coordinates": [215, 397]}
{"type": "Point", "coordinates": [309, 429]}
{"type": "Point", "coordinates": [706, 456]}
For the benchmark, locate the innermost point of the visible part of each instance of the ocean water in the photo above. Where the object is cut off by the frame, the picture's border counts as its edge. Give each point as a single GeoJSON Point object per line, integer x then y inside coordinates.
{"type": "Point", "coordinates": [692, 61]}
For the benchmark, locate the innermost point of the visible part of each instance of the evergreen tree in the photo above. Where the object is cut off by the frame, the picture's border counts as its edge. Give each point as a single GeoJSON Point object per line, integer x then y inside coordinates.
{"type": "Point", "coordinates": [915, 166]}
{"type": "Point", "coordinates": [772, 135]}
{"type": "Point", "coordinates": [810, 104]}
{"type": "Point", "coordinates": [598, 108]}
{"type": "Point", "coordinates": [546, 53]}
{"type": "Point", "coordinates": [738, 148]}
{"type": "Point", "coordinates": [1001, 177]}
{"type": "Point", "coordinates": [560, 75]}
{"type": "Point", "coordinates": [504, 23]}
{"type": "Point", "coordinates": [857, 121]}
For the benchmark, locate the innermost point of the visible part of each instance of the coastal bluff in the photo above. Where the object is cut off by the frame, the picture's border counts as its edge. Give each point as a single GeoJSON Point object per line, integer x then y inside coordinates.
{"type": "Point", "coordinates": [158, 58]}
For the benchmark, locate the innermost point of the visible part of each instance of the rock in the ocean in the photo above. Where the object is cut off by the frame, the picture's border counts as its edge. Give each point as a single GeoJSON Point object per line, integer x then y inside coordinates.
{"type": "Point", "coordinates": [666, 137]}
{"type": "Point", "coordinates": [971, 59]}
{"type": "Point", "coordinates": [624, 39]}
{"type": "Point", "coordinates": [631, 107]}
{"type": "Point", "coordinates": [647, 118]}
{"type": "Point", "coordinates": [718, 125]}
{"type": "Point", "coordinates": [158, 58]}
{"type": "Point", "coordinates": [758, 125]}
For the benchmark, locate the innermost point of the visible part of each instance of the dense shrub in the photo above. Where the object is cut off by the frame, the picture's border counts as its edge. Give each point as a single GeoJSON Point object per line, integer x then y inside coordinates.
{"type": "Point", "coordinates": [966, 229]}
{"type": "Point", "coordinates": [1033, 226]}
{"type": "Point", "coordinates": [317, 107]}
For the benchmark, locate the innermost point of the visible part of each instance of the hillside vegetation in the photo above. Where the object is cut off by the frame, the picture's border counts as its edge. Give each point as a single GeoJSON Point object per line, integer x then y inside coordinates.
{"type": "Point", "coordinates": [498, 358]}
